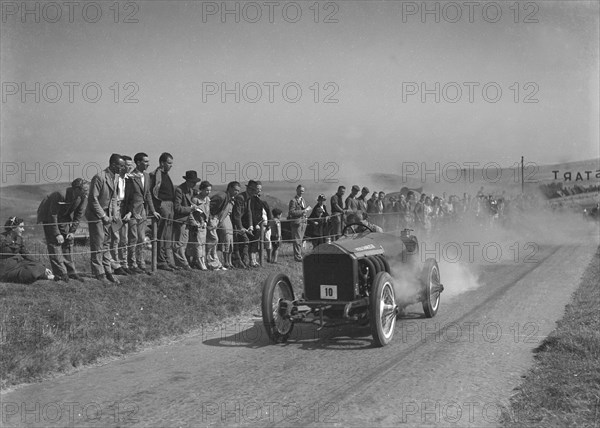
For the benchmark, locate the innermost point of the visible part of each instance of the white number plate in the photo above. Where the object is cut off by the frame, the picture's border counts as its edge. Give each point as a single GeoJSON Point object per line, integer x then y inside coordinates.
{"type": "Point", "coordinates": [329, 292]}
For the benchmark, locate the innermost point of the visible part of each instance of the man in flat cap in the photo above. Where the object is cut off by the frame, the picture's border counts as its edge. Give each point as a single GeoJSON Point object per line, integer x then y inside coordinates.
{"type": "Point", "coordinates": [183, 208]}
{"type": "Point", "coordinates": [60, 212]}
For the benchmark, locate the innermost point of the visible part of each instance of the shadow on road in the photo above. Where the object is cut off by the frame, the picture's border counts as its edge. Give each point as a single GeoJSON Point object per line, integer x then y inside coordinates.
{"type": "Point", "coordinates": [303, 336]}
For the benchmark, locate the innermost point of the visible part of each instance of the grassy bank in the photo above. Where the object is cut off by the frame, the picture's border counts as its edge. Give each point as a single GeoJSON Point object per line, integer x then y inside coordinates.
{"type": "Point", "coordinates": [563, 387]}
{"type": "Point", "coordinates": [49, 327]}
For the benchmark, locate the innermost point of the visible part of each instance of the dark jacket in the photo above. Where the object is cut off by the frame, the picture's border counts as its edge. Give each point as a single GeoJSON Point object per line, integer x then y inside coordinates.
{"type": "Point", "coordinates": [138, 199]}
{"type": "Point", "coordinates": [155, 182]}
{"type": "Point", "coordinates": [256, 206]}
{"type": "Point", "coordinates": [183, 201]}
{"type": "Point", "coordinates": [220, 205]}
{"type": "Point", "coordinates": [15, 263]}
{"type": "Point", "coordinates": [62, 211]}
{"type": "Point", "coordinates": [317, 221]}
{"type": "Point", "coordinates": [241, 216]}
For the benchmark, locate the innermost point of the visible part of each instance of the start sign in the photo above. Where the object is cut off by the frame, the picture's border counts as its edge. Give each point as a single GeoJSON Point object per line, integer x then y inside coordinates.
{"type": "Point", "coordinates": [577, 175]}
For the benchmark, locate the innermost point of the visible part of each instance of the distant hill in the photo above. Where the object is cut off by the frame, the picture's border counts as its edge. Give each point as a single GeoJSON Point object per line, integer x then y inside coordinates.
{"type": "Point", "coordinates": [449, 179]}
{"type": "Point", "coordinates": [22, 200]}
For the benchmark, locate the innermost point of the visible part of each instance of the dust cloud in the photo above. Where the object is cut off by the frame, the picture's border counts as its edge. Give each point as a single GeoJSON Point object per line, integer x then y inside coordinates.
{"type": "Point", "coordinates": [464, 248]}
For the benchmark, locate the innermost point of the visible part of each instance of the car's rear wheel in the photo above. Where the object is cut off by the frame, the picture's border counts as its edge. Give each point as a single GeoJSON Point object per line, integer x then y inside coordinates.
{"type": "Point", "coordinates": [276, 288]}
{"type": "Point", "coordinates": [430, 281]}
{"type": "Point", "coordinates": [382, 310]}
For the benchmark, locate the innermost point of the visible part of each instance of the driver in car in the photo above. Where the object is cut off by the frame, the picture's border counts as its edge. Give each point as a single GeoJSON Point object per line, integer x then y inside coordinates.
{"type": "Point", "coordinates": [360, 218]}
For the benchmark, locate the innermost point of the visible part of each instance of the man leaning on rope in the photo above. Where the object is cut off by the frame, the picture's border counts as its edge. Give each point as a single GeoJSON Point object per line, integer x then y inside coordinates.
{"type": "Point", "coordinates": [138, 205]}
{"type": "Point", "coordinates": [60, 213]}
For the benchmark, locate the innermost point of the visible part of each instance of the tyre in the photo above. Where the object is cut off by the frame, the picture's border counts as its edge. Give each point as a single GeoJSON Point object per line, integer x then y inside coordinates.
{"type": "Point", "coordinates": [430, 278]}
{"type": "Point", "coordinates": [276, 287]}
{"type": "Point", "coordinates": [382, 310]}
{"type": "Point", "coordinates": [377, 263]}
{"type": "Point", "coordinates": [384, 262]}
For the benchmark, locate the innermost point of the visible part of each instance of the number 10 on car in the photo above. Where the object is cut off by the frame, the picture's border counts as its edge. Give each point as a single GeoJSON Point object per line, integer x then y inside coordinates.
{"type": "Point", "coordinates": [329, 292]}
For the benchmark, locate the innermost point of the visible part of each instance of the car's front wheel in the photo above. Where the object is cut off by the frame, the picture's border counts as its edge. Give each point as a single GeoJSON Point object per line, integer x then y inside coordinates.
{"type": "Point", "coordinates": [382, 309]}
{"type": "Point", "coordinates": [430, 280]}
{"type": "Point", "coordinates": [277, 288]}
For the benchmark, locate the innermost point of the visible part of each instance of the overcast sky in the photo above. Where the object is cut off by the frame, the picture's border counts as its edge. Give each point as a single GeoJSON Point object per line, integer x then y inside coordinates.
{"type": "Point", "coordinates": [366, 69]}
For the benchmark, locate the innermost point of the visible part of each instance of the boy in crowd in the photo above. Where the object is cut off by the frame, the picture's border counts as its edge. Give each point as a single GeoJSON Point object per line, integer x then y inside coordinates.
{"type": "Point", "coordinates": [275, 228]}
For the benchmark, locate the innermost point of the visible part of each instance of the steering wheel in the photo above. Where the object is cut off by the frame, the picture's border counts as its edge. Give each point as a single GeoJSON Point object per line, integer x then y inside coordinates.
{"type": "Point", "coordinates": [355, 228]}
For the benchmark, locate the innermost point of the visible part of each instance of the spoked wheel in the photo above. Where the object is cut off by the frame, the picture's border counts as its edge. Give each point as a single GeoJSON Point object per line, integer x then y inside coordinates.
{"type": "Point", "coordinates": [276, 288]}
{"type": "Point", "coordinates": [382, 310]}
{"type": "Point", "coordinates": [431, 281]}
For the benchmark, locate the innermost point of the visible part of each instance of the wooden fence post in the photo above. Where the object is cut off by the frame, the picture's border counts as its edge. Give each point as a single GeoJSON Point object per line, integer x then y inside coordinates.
{"type": "Point", "coordinates": [261, 244]}
{"type": "Point", "coordinates": [154, 244]}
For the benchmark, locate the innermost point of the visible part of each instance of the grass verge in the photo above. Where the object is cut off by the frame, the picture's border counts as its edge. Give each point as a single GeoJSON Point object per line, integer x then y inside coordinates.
{"type": "Point", "coordinates": [49, 327]}
{"type": "Point", "coordinates": [563, 387]}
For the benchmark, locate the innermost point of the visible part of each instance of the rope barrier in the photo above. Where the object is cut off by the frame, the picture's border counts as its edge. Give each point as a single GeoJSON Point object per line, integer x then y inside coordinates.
{"type": "Point", "coordinates": [398, 220]}
{"type": "Point", "coordinates": [152, 218]}
{"type": "Point", "coordinates": [303, 219]}
{"type": "Point", "coordinates": [119, 247]}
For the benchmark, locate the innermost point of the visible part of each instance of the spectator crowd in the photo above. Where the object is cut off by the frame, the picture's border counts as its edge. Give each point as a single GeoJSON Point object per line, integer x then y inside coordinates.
{"type": "Point", "coordinates": [199, 229]}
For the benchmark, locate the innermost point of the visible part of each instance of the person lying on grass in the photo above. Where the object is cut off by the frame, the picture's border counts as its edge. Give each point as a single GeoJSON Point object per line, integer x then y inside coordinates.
{"type": "Point", "coordinates": [15, 263]}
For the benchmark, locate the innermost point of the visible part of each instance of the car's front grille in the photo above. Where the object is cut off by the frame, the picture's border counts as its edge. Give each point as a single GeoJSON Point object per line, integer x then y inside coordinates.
{"type": "Point", "coordinates": [329, 269]}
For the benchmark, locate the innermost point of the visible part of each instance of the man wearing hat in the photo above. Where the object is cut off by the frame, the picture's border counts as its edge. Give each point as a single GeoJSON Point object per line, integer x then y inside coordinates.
{"type": "Point", "coordinates": [351, 203]}
{"type": "Point", "coordinates": [241, 217]}
{"type": "Point", "coordinates": [317, 222]}
{"type": "Point", "coordinates": [183, 208]}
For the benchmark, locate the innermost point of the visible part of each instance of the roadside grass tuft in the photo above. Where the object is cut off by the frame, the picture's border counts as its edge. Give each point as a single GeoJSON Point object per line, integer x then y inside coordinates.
{"type": "Point", "coordinates": [49, 327]}
{"type": "Point", "coordinates": [563, 387]}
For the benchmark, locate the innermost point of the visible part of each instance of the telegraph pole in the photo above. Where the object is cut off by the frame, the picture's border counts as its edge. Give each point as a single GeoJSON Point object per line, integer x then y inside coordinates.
{"type": "Point", "coordinates": [522, 175]}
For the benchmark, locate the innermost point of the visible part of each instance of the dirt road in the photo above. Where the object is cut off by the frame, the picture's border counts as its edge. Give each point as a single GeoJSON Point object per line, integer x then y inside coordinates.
{"type": "Point", "coordinates": [458, 368]}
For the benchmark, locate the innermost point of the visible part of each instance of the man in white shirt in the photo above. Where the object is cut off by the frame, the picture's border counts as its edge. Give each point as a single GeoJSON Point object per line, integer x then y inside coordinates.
{"type": "Point", "coordinates": [137, 206]}
{"type": "Point", "coordinates": [298, 210]}
{"type": "Point", "coordinates": [118, 239]}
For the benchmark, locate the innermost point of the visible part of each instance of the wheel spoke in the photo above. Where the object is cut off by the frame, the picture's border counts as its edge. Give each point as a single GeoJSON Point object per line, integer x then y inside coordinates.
{"type": "Point", "coordinates": [387, 318]}
{"type": "Point", "coordinates": [387, 313]}
{"type": "Point", "coordinates": [433, 281]}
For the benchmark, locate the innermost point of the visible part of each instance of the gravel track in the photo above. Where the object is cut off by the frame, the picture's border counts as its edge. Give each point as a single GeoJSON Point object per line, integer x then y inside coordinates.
{"type": "Point", "coordinates": [458, 368]}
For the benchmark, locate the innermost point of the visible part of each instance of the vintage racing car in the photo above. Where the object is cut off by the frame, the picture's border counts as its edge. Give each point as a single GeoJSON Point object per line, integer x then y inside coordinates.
{"type": "Point", "coordinates": [364, 277]}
